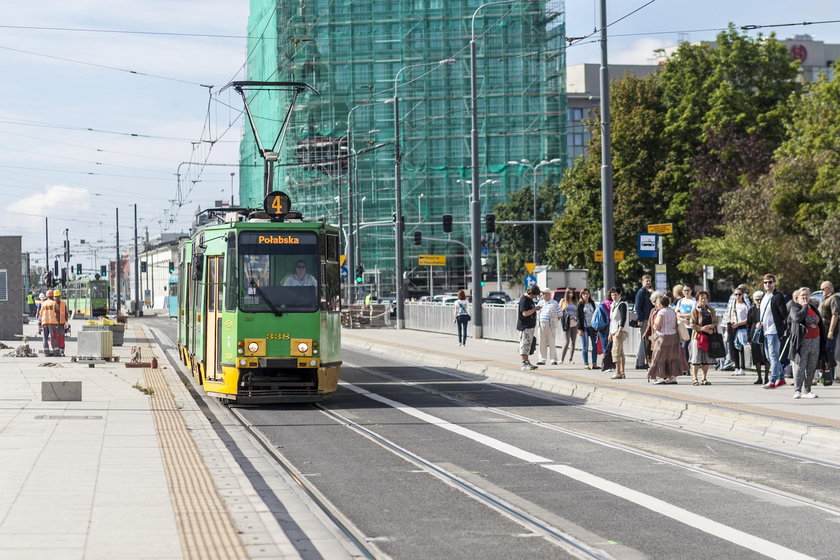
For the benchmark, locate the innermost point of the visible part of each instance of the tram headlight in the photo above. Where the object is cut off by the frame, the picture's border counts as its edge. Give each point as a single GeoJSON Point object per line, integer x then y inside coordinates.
{"type": "Point", "coordinates": [303, 347]}
{"type": "Point", "coordinates": [253, 347]}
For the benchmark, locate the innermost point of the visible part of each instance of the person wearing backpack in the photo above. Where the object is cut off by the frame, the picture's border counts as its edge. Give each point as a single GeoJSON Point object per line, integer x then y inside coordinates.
{"type": "Point", "coordinates": [617, 331]}
{"type": "Point", "coordinates": [830, 313]}
{"type": "Point", "coordinates": [601, 324]}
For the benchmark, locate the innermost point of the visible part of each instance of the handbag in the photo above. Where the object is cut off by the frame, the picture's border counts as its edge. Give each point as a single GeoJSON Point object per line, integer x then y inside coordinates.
{"type": "Point", "coordinates": [758, 337]}
{"type": "Point", "coordinates": [682, 331]}
{"type": "Point", "coordinates": [716, 346]}
{"type": "Point", "coordinates": [533, 346]}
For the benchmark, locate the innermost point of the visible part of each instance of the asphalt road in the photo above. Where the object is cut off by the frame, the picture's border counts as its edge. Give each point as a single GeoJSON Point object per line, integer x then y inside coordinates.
{"type": "Point", "coordinates": [430, 463]}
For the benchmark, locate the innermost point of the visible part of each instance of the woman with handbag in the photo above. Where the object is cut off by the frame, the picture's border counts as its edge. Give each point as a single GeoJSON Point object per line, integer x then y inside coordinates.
{"type": "Point", "coordinates": [704, 323]}
{"type": "Point", "coordinates": [569, 322]}
{"type": "Point", "coordinates": [586, 310]}
{"type": "Point", "coordinates": [462, 317]}
{"type": "Point", "coordinates": [759, 358]}
{"type": "Point", "coordinates": [668, 360]}
{"type": "Point", "coordinates": [807, 342]}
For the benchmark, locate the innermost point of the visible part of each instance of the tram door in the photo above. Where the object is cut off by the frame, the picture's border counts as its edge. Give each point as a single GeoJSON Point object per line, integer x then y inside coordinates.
{"type": "Point", "coordinates": [215, 274]}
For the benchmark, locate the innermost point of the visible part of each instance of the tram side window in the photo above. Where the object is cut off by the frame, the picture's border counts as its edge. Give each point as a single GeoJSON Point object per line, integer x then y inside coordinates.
{"type": "Point", "coordinates": [332, 288]}
{"type": "Point", "coordinates": [230, 275]}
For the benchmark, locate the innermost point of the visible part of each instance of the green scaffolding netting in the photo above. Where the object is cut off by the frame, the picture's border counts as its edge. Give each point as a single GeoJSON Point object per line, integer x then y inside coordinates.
{"type": "Point", "coordinates": [351, 51]}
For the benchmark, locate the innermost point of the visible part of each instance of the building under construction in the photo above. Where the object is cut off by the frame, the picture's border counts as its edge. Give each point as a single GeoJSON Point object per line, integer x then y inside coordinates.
{"type": "Point", "coordinates": [351, 52]}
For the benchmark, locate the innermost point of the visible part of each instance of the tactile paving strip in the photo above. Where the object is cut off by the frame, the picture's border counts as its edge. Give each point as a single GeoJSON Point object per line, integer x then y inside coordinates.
{"type": "Point", "coordinates": [204, 524]}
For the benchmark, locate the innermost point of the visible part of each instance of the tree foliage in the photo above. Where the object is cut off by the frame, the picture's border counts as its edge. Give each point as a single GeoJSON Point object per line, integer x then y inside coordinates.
{"type": "Point", "coordinates": [689, 144]}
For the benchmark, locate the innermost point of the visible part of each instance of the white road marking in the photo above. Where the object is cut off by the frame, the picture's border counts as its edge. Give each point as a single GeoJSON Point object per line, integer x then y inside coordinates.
{"type": "Point", "coordinates": [699, 522]}
{"type": "Point", "coordinates": [467, 433]}
{"type": "Point", "coordinates": [740, 538]}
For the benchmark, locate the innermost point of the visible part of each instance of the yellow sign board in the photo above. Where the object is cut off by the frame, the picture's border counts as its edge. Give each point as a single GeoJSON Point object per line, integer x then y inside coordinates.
{"type": "Point", "coordinates": [342, 259]}
{"type": "Point", "coordinates": [661, 228]}
{"type": "Point", "coordinates": [431, 260]}
{"type": "Point", "coordinates": [617, 256]}
{"type": "Point", "coordinates": [530, 267]}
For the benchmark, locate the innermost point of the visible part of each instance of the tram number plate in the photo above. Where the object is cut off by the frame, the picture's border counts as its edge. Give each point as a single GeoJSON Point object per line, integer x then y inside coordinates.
{"type": "Point", "coordinates": [277, 336]}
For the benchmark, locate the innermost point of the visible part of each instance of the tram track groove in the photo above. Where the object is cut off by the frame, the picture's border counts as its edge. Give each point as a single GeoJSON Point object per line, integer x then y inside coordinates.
{"type": "Point", "coordinates": [347, 528]}
{"type": "Point", "coordinates": [556, 535]}
{"type": "Point", "coordinates": [826, 508]}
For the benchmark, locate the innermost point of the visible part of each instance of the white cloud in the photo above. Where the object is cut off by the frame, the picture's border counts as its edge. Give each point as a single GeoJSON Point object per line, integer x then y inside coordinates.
{"type": "Point", "coordinates": [640, 51]}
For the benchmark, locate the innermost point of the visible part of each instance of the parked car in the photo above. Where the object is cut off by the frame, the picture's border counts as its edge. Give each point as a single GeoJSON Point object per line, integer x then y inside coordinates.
{"type": "Point", "coordinates": [499, 294]}
{"type": "Point", "coordinates": [493, 301]}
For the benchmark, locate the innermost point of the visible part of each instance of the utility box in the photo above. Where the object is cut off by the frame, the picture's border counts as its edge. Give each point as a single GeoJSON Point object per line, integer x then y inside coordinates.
{"type": "Point", "coordinates": [95, 344]}
{"type": "Point", "coordinates": [561, 279]}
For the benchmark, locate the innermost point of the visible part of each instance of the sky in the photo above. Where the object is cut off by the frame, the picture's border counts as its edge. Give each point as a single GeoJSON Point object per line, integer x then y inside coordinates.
{"type": "Point", "coordinates": [105, 102]}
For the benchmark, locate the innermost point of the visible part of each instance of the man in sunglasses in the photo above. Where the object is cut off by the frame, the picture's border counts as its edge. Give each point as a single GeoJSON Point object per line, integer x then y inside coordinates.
{"type": "Point", "coordinates": [300, 276]}
{"type": "Point", "coordinates": [771, 321]}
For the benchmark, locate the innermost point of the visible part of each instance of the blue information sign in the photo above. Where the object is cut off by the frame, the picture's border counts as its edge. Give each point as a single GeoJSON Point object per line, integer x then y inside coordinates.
{"type": "Point", "coordinates": [647, 245]}
{"type": "Point", "coordinates": [530, 280]}
{"type": "Point", "coordinates": [344, 273]}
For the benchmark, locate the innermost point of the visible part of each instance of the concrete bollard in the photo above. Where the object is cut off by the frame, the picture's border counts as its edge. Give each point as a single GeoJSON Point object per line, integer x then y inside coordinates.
{"type": "Point", "coordinates": [61, 390]}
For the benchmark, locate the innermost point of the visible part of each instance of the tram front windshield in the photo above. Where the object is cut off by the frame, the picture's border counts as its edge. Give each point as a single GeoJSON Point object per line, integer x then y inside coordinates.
{"type": "Point", "coordinates": [98, 290]}
{"type": "Point", "coordinates": [278, 271]}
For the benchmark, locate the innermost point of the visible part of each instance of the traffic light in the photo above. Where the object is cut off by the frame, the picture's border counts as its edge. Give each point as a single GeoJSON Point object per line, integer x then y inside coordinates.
{"type": "Point", "coordinates": [447, 223]}
{"type": "Point", "coordinates": [490, 222]}
{"type": "Point", "coordinates": [418, 238]}
{"type": "Point", "coordinates": [78, 268]}
{"type": "Point", "coordinates": [103, 270]}
{"type": "Point", "coordinates": [171, 267]}
{"type": "Point", "coordinates": [360, 274]}
{"type": "Point", "coordinates": [142, 266]}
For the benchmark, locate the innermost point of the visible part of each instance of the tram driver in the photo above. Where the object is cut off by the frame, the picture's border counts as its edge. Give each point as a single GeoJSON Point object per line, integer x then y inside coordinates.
{"type": "Point", "coordinates": [300, 277]}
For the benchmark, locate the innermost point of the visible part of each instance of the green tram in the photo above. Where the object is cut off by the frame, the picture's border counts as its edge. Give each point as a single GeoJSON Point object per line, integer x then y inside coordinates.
{"type": "Point", "coordinates": [87, 296]}
{"type": "Point", "coordinates": [259, 309]}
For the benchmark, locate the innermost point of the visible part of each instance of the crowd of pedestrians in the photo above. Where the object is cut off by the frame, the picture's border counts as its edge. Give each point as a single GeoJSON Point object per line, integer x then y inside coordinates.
{"type": "Point", "coordinates": [681, 334]}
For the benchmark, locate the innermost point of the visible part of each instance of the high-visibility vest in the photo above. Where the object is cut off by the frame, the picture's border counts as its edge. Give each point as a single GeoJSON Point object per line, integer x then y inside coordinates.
{"type": "Point", "coordinates": [61, 311]}
{"type": "Point", "coordinates": [47, 314]}
{"type": "Point", "coordinates": [30, 299]}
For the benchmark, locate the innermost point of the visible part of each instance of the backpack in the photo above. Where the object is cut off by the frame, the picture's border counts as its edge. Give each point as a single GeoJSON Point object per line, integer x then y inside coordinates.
{"type": "Point", "coordinates": [599, 319]}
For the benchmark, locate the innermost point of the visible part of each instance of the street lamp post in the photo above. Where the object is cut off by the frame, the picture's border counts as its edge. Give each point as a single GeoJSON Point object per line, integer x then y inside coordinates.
{"type": "Point", "coordinates": [398, 233]}
{"type": "Point", "coordinates": [533, 169]}
{"type": "Point", "coordinates": [351, 185]}
{"type": "Point", "coordinates": [475, 204]}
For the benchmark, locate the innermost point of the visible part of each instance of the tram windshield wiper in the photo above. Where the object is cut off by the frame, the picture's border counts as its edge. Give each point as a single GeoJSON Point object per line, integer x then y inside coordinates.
{"type": "Point", "coordinates": [266, 299]}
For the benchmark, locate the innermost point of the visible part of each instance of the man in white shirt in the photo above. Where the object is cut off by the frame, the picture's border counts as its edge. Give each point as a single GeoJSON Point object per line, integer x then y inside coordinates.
{"type": "Point", "coordinates": [300, 277]}
{"type": "Point", "coordinates": [549, 316]}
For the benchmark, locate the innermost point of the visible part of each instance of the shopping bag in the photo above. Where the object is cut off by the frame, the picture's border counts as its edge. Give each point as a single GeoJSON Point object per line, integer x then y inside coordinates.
{"type": "Point", "coordinates": [716, 346]}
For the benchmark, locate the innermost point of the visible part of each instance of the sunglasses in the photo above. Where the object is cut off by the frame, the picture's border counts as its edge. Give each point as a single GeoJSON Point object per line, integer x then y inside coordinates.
{"type": "Point", "coordinates": [769, 281]}
{"type": "Point", "coordinates": [738, 294]}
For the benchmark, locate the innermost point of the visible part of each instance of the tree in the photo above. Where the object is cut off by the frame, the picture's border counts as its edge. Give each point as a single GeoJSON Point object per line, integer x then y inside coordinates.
{"type": "Point", "coordinates": [725, 106]}
{"type": "Point", "coordinates": [807, 176]}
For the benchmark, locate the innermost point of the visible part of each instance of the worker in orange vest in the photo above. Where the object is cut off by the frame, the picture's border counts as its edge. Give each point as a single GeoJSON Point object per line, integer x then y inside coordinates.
{"type": "Point", "coordinates": [49, 322]}
{"type": "Point", "coordinates": [61, 317]}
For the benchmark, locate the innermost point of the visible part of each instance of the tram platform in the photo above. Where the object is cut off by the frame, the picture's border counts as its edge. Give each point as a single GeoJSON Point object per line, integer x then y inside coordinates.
{"type": "Point", "coordinates": [732, 406]}
{"type": "Point", "coordinates": [124, 463]}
